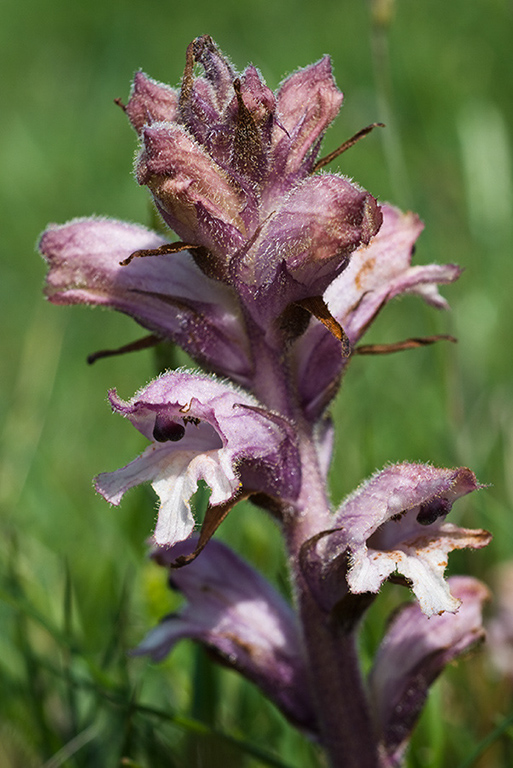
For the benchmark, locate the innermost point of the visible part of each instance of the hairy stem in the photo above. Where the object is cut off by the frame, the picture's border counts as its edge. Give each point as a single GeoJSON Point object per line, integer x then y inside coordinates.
{"type": "Point", "coordinates": [346, 728]}
{"type": "Point", "coordinates": [341, 703]}
{"type": "Point", "coordinates": [342, 709]}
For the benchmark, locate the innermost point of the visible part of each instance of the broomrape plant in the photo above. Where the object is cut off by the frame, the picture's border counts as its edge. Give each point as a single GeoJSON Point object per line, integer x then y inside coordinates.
{"type": "Point", "coordinates": [277, 273]}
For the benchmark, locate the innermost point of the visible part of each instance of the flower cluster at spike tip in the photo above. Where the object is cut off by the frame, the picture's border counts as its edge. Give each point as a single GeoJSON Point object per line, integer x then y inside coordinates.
{"type": "Point", "coordinates": [277, 273]}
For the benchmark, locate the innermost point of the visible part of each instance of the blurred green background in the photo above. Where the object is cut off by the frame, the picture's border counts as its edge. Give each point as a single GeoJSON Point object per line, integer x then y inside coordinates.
{"type": "Point", "coordinates": [76, 589]}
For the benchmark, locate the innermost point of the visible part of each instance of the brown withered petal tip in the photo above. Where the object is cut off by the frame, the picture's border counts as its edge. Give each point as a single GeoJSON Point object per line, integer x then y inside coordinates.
{"type": "Point", "coordinates": [400, 346]}
{"type": "Point", "coordinates": [160, 251]}
{"type": "Point", "coordinates": [214, 516]}
{"type": "Point", "coordinates": [346, 145]}
{"type": "Point", "coordinates": [135, 346]}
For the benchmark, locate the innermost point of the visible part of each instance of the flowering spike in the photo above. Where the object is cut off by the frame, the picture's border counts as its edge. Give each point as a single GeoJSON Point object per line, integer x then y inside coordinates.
{"type": "Point", "coordinates": [276, 275]}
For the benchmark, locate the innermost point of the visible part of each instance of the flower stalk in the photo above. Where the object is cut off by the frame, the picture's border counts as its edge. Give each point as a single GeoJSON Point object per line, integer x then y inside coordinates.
{"type": "Point", "coordinates": [277, 273]}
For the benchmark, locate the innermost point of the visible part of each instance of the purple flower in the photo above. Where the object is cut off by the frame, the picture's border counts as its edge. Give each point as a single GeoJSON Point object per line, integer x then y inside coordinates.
{"type": "Point", "coordinates": [394, 524]}
{"type": "Point", "coordinates": [376, 274]}
{"type": "Point", "coordinates": [265, 244]}
{"type": "Point", "coordinates": [239, 616]}
{"type": "Point", "coordinates": [414, 652]}
{"type": "Point", "coordinates": [229, 171]}
{"type": "Point", "coordinates": [228, 164]}
{"type": "Point", "coordinates": [202, 429]}
{"type": "Point", "coordinates": [170, 296]}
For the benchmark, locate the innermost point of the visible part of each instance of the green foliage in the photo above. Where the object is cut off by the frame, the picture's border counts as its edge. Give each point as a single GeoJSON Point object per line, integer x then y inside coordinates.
{"type": "Point", "coordinates": [76, 590]}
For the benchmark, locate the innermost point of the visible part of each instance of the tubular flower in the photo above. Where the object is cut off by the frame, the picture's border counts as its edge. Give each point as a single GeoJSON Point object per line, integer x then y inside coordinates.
{"type": "Point", "coordinates": [170, 296]}
{"type": "Point", "coordinates": [234, 611]}
{"type": "Point", "coordinates": [202, 429]}
{"type": "Point", "coordinates": [395, 524]}
{"type": "Point", "coordinates": [376, 274]}
{"type": "Point", "coordinates": [413, 653]}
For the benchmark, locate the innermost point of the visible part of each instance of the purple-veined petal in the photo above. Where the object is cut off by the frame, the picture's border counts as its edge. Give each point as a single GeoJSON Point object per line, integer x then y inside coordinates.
{"type": "Point", "coordinates": [376, 273]}
{"type": "Point", "coordinates": [414, 652]}
{"type": "Point", "coordinates": [393, 523]}
{"type": "Point", "coordinates": [202, 429]}
{"type": "Point", "coordinates": [237, 614]}
{"type": "Point", "coordinates": [167, 294]}
{"type": "Point", "coordinates": [150, 102]}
